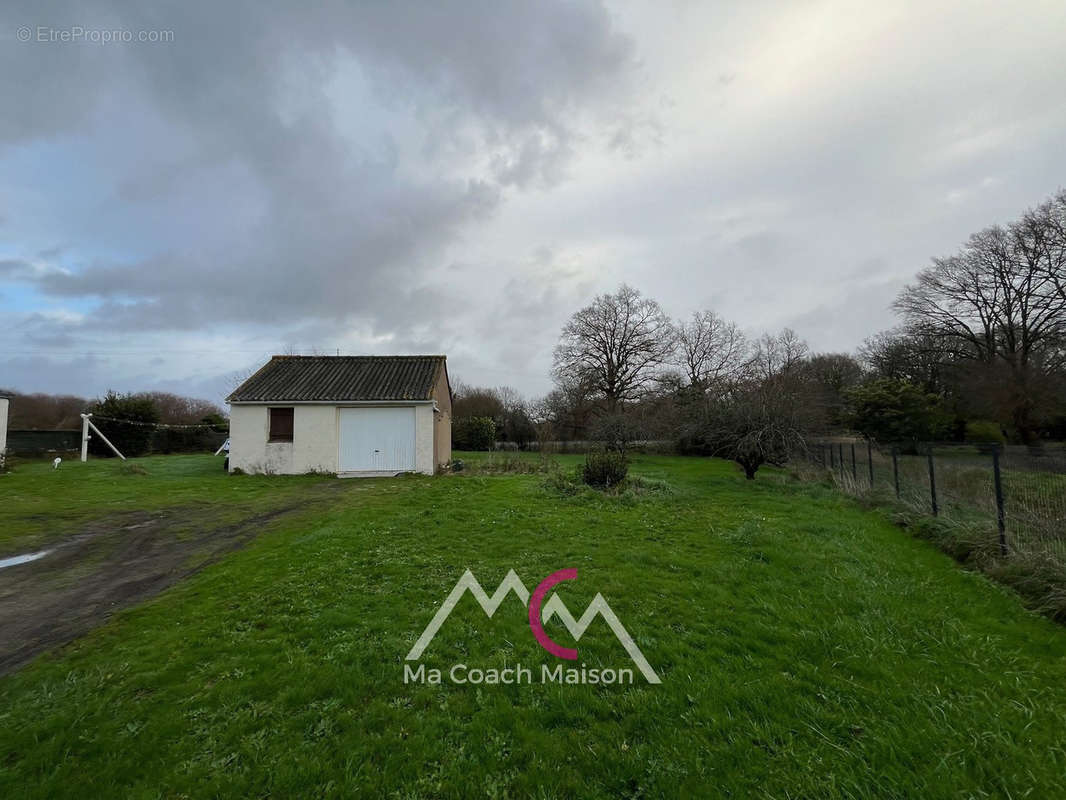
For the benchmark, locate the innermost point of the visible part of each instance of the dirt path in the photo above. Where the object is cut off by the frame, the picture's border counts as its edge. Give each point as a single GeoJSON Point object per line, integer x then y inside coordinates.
{"type": "Point", "coordinates": [109, 565]}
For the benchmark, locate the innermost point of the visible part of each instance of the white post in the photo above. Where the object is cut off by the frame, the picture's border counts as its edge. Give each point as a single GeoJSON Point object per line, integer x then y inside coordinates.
{"type": "Point", "coordinates": [85, 436]}
{"type": "Point", "coordinates": [101, 435]}
{"type": "Point", "coordinates": [3, 430]}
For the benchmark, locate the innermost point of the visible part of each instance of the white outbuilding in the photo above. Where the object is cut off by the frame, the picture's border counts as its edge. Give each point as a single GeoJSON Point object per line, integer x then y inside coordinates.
{"type": "Point", "coordinates": [349, 415]}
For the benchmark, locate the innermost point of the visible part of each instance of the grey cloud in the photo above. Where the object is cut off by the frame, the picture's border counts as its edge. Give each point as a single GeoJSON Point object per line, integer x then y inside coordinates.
{"type": "Point", "coordinates": [379, 175]}
{"type": "Point", "coordinates": [312, 227]}
{"type": "Point", "coordinates": [15, 268]}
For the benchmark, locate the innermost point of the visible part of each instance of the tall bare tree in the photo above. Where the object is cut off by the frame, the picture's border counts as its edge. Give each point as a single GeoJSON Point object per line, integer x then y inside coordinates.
{"type": "Point", "coordinates": [996, 304]}
{"type": "Point", "coordinates": [900, 354]}
{"type": "Point", "coordinates": [712, 351]}
{"type": "Point", "coordinates": [615, 345]}
{"type": "Point", "coordinates": [774, 355]}
{"type": "Point", "coordinates": [1040, 237]}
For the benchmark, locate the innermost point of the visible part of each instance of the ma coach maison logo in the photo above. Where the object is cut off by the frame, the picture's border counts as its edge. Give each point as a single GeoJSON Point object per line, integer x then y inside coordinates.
{"type": "Point", "coordinates": [539, 613]}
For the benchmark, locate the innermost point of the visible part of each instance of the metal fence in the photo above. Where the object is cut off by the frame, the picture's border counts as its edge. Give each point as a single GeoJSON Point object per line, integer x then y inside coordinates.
{"type": "Point", "coordinates": [1017, 493]}
{"type": "Point", "coordinates": [38, 443]}
{"type": "Point", "coordinates": [179, 439]}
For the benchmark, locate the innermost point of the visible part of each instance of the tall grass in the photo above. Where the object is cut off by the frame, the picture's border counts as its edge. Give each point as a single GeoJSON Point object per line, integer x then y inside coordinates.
{"type": "Point", "coordinates": [965, 524]}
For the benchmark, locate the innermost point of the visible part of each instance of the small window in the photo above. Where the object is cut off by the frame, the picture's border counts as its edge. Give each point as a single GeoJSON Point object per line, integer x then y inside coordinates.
{"type": "Point", "coordinates": [280, 425]}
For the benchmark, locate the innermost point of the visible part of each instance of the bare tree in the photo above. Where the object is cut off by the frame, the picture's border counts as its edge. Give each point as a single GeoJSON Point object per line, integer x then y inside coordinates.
{"type": "Point", "coordinates": [476, 401]}
{"type": "Point", "coordinates": [615, 345]}
{"type": "Point", "coordinates": [1040, 238]}
{"type": "Point", "coordinates": [44, 411]}
{"type": "Point", "coordinates": [569, 406]}
{"type": "Point", "coordinates": [995, 303]}
{"type": "Point", "coordinates": [542, 415]}
{"type": "Point", "coordinates": [830, 376]}
{"type": "Point", "coordinates": [774, 355]}
{"type": "Point", "coordinates": [764, 422]}
{"type": "Point", "coordinates": [902, 354]}
{"type": "Point", "coordinates": [180, 410]}
{"type": "Point", "coordinates": [992, 300]}
{"type": "Point", "coordinates": [711, 350]}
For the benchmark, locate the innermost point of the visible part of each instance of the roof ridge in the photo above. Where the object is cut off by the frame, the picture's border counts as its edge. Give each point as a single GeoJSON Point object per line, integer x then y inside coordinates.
{"type": "Point", "coordinates": [324, 378]}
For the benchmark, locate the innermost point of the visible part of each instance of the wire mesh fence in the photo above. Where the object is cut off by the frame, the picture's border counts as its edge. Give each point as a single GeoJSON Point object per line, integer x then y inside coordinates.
{"type": "Point", "coordinates": [1016, 494]}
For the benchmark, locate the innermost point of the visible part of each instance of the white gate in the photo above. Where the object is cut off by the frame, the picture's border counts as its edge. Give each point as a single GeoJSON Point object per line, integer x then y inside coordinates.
{"type": "Point", "coordinates": [377, 440]}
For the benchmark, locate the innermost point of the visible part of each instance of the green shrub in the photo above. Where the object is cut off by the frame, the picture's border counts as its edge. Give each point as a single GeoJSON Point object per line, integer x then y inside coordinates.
{"type": "Point", "coordinates": [185, 440]}
{"type": "Point", "coordinates": [890, 410]}
{"type": "Point", "coordinates": [561, 483]}
{"type": "Point", "coordinates": [474, 433]}
{"type": "Point", "coordinates": [638, 484]}
{"type": "Point", "coordinates": [218, 423]}
{"type": "Point", "coordinates": [132, 438]}
{"type": "Point", "coordinates": [982, 431]}
{"type": "Point", "coordinates": [507, 462]}
{"type": "Point", "coordinates": [604, 470]}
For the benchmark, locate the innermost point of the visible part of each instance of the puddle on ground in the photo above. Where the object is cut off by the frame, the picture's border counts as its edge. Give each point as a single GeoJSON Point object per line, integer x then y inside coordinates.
{"type": "Point", "coordinates": [10, 562]}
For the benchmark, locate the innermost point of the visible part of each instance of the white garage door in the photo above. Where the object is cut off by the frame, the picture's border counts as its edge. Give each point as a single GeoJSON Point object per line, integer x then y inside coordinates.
{"type": "Point", "coordinates": [377, 439]}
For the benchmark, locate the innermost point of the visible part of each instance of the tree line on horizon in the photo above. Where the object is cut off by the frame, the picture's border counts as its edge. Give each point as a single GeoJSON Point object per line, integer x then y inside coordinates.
{"type": "Point", "coordinates": [979, 355]}
{"type": "Point", "coordinates": [53, 412]}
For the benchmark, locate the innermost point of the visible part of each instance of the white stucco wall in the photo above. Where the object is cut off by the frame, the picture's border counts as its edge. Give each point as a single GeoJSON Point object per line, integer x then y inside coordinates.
{"type": "Point", "coordinates": [314, 439]}
{"type": "Point", "coordinates": [248, 447]}
{"type": "Point", "coordinates": [315, 444]}
{"type": "Point", "coordinates": [3, 428]}
{"type": "Point", "coordinates": [424, 439]}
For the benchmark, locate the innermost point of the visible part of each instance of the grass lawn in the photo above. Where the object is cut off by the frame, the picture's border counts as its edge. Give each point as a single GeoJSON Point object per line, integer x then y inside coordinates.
{"type": "Point", "coordinates": [807, 648]}
{"type": "Point", "coordinates": [39, 504]}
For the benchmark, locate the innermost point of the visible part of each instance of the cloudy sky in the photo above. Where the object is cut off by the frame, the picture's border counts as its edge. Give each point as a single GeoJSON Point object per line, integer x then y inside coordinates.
{"type": "Point", "coordinates": [459, 177]}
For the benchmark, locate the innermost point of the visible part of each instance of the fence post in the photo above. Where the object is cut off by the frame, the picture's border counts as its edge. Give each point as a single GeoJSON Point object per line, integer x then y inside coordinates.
{"type": "Point", "coordinates": [1001, 516]}
{"type": "Point", "coordinates": [840, 456]}
{"type": "Point", "coordinates": [854, 469]}
{"type": "Point", "coordinates": [895, 470]}
{"type": "Point", "coordinates": [932, 481]}
{"type": "Point", "coordinates": [870, 462]}
{"type": "Point", "coordinates": [85, 436]}
{"type": "Point", "coordinates": [832, 462]}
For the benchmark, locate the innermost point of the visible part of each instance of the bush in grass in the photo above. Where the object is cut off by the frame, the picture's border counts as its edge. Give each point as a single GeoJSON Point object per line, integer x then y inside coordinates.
{"type": "Point", "coordinates": [603, 470]}
{"type": "Point", "coordinates": [508, 462]}
{"type": "Point", "coordinates": [562, 483]}
{"type": "Point", "coordinates": [132, 438]}
{"type": "Point", "coordinates": [474, 433]}
{"type": "Point", "coordinates": [638, 484]}
{"type": "Point", "coordinates": [982, 431]}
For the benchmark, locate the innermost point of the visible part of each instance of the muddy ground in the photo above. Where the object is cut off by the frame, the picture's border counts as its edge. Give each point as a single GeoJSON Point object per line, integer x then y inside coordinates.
{"type": "Point", "coordinates": [108, 565]}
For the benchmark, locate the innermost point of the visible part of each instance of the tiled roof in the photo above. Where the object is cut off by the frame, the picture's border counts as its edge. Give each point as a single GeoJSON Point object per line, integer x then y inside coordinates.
{"type": "Point", "coordinates": [287, 379]}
